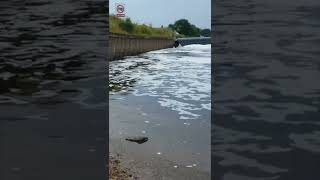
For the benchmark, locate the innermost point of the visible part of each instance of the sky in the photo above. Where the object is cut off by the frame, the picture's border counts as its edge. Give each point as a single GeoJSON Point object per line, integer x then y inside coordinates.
{"type": "Point", "coordinates": [165, 12]}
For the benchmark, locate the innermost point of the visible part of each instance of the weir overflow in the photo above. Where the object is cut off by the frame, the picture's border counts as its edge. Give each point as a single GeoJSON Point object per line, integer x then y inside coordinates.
{"type": "Point", "coordinates": [192, 40]}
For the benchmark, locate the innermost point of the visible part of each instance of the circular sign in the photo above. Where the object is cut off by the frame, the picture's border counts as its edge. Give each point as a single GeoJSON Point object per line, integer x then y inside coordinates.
{"type": "Point", "coordinates": [120, 8]}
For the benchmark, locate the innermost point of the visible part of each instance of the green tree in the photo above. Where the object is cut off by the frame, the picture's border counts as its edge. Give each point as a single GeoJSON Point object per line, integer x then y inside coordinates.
{"type": "Point", "coordinates": [127, 25]}
{"type": "Point", "coordinates": [195, 31]}
{"type": "Point", "coordinates": [184, 27]}
{"type": "Point", "coordinates": [205, 32]}
{"type": "Point", "coordinates": [171, 26]}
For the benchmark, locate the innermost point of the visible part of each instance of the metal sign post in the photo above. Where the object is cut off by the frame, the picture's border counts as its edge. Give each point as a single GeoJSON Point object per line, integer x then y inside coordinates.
{"type": "Point", "coordinates": [120, 10]}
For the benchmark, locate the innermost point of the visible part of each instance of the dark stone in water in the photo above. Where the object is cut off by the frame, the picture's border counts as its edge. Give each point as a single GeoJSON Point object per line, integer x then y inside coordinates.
{"type": "Point", "coordinates": [176, 44]}
{"type": "Point", "coordinates": [139, 140]}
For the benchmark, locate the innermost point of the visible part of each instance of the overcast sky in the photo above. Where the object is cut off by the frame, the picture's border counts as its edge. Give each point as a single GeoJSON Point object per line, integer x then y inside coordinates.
{"type": "Point", "coordinates": [164, 12]}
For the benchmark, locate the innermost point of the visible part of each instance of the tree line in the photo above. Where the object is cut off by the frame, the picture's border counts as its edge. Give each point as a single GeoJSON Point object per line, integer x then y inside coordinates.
{"type": "Point", "coordinates": [183, 27]}
{"type": "Point", "coordinates": [186, 29]}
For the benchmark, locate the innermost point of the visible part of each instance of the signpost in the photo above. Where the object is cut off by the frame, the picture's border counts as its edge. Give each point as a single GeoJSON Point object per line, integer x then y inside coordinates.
{"type": "Point", "coordinates": [120, 10]}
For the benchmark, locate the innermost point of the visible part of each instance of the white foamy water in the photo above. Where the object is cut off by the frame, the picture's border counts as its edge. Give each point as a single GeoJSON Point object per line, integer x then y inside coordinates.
{"type": "Point", "coordinates": [179, 78]}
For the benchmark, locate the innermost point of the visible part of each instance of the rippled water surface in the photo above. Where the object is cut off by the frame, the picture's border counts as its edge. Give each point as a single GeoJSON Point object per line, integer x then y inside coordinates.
{"type": "Point", "coordinates": [52, 89]}
{"type": "Point", "coordinates": [266, 109]}
{"type": "Point", "coordinates": [180, 79]}
{"type": "Point", "coordinates": [168, 94]}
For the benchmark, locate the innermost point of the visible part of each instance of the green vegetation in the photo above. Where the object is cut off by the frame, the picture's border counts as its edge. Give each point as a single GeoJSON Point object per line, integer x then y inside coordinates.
{"type": "Point", "coordinates": [186, 29]}
{"type": "Point", "coordinates": [127, 27]}
{"type": "Point", "coordinates": [182, 26]}
{"type": "Point", "coordinates": [205, 32]}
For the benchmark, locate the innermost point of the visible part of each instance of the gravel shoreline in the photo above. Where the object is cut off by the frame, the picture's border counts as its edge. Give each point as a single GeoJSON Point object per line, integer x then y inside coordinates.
{"type": "Point", "coordinates": [117, 171]}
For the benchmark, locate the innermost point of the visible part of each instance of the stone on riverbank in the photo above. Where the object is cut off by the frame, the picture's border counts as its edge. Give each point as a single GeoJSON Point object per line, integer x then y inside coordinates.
{"type": "Point", "coordinates": [138, 139]}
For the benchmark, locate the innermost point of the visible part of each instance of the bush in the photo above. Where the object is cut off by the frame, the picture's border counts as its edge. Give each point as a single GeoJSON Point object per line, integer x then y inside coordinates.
{"type": "Point", "coordinates": [185, 28]}
{"type": "Point", "coordinates": [127, 25]}
{"type": "Point", "coordinates": [205, 32]}
{"type": "Point", "coordinates": [143, 30]}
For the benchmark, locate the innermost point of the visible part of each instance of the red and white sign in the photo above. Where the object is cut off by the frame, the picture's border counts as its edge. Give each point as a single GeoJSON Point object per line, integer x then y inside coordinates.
{"type": "Point", "coordinates": [120, 10]}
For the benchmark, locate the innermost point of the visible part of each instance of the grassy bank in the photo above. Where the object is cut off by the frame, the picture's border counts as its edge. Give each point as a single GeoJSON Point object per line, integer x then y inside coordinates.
{"type": "Point", "coordinates": [126, 27]}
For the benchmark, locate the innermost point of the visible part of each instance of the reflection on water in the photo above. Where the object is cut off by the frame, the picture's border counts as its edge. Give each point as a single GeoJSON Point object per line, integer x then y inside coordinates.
{"type": "Point", "coordinates": [266, 110]}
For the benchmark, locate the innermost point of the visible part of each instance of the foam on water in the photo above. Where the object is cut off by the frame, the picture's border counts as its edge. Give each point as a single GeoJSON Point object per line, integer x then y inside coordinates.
{"type": "Point", "coordinates": [179, 78]}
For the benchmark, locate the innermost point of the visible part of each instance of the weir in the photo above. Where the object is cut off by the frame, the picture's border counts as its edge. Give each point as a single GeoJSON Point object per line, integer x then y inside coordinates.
{"type": "Point", "coordinates": [192, 40]}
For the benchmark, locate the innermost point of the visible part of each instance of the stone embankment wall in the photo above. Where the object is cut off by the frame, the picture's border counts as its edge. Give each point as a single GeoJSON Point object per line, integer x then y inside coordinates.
{"type": "Point", "coordinates": [121, 46]}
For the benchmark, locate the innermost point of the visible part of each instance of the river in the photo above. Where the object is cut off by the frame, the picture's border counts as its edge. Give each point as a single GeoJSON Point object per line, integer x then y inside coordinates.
{"type": "Point", "coordinates": [266, 90]}
{"type": "Point", "coordinates": [166, 96]}
{"type": "Point", "coordinates": [53, 101]}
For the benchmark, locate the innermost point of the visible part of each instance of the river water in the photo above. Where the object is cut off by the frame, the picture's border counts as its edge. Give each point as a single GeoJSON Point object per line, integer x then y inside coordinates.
{"type": "Point", "coordinates": [266, 90]}
{"type": "Point", "coordinates": [53, 103]}
{"type": "Point", "coordinates": [164, 95]}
